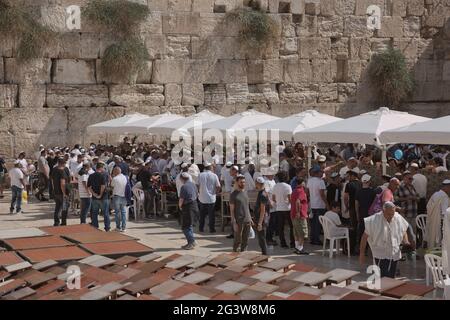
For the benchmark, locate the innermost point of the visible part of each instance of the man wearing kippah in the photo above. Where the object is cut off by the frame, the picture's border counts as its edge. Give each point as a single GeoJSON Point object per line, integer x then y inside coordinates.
{"type": "Point", "coordinates": [385, 232]}
{"type": "Point", "coordinates": [436, 209]}
{"type": "Point", "coordinates": [189, 209]}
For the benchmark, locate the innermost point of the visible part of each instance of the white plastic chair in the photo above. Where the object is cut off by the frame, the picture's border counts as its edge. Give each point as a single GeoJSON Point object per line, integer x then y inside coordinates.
{"type": "Point", "coordinates": [421, 223]}
{"type": "Point", "coordinates": [434, 264]}
{"type": "Point", "coordinates": [326, 225]}
{"type": "Point", "coordinates": [138, 203]}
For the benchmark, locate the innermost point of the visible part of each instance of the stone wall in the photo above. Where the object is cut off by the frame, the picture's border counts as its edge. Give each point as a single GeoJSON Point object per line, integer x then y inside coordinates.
{"type": "Point", "coordinates": [197, 62]}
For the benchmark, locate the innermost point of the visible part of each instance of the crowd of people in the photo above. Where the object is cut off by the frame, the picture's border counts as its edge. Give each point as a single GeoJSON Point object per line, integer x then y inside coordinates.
{"type": "Point", "coordinates": [263, 201]}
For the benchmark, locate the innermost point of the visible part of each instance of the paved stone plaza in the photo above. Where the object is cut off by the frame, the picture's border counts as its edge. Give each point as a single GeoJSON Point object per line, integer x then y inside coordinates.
{"type": "Point", "coordinates": [165, 236]}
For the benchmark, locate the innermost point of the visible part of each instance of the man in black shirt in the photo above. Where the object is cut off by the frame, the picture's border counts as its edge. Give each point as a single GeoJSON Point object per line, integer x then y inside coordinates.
{"type": "Point", "coordinates": [60, 182]}
{"type": "Point", "coordinates": [97, 186]}
{"type": "Point", "coordinates": [364, 199]}
{"type": "Point", "coordinates": [240, 215]}
{"type": "Point", "coordinates": [334, 189]}
{"type": "Point", "coordinates": [351, 189]}
{"type": "Point", "coordinates": [262, 207]}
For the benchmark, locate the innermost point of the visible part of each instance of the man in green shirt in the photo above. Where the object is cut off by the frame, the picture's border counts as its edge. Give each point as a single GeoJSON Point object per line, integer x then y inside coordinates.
{"type": "Point", "coordinates": [240, 215]}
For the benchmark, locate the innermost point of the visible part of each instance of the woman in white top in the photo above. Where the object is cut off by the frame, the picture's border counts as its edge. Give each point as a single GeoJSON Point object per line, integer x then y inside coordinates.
{"type": "Point", "coordinates": [281, 195]}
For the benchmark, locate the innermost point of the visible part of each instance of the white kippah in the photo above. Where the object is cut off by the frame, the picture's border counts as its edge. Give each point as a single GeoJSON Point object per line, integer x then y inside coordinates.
{"type": "Point", "coordinates": [185, 175]}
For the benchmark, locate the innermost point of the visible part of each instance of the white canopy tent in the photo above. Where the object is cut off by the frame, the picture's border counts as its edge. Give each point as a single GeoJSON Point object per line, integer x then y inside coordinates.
{"type": "Point", "coordinates": [185, 125]}
{"type": "Point", "coordinates": [365, 128]}
{"type": "Point", "coordinates": [146, 125]}
{"type": "Point", "coordinates": [116, 125]}
{"type": "Point", "coordinates": [435, 131]}
{"type": "Point", "coordinates": [240, 121]}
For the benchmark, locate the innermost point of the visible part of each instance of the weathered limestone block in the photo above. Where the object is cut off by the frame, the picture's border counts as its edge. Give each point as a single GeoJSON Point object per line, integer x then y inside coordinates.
{"type": "Point", "coordinates": [308, 26]}
{"type": "Point", "coordinates": [297, 6]}
{"type": "Point", "coordinates": [233, 71]}
{"type": "Point", "coordinates": [340, 48]}
{"type": "Point", "coordinates": [173, 94]}
{"type": "Point", "coordinates": [297, 71]}
{"type": "Point", "coordinates": [215, 95]}
{"type": "Point", "coordinates": [380, 45]}
{"type": "Point", "coordinates": [36, 71]}
{"type": "Point", "coordinates": [227, 5]}
{"type": "Point", "coordinates": [289, 46]}
{"type": "Point", "coordinates": [399, 8]}
{"type": "Point", "coordinates": [214, 48]}
{"type": "Point", "coordinates": [347, 92]}
{"type": "Point", "coordinates": [415, 7]}
{"type": "Point", "coordinates": [391, 27]}
{"type": "Point", "coordinates": [153, 24]}
{"type": "Point", "coordinates": [54, 16]}
{"type": "Point", "coordinates": [2, 71]}
{"type": "Point", "coordinates": [7, 46]}
{"type": "Point", "coordinates": [331, 26]}
{"type": "Point", "coordinates": [263, 94]}
{"type": "Point", "coordinates": [265, 71]}
{"type": "Point", "coordinates": [106, 40]}
{"type": "Point", "coordinates": [362, 5]}
{"type": "Point", "coordinates": [327, 8]}
{"type": "Point", "coordinates": [59, 95]}
{"type": "Point", "coordinates": [437, 16]}
{"type": "Point", "coordinates": [327, 93]}
{"type": "Point", "coordinates": [314, 48]}
{"type": "Point", "coordinates": [178, 47]}
{"type": "Point", "coordinates": [182, 23]}
{"type": "Point", "coordinates": [158, 5]}
{"type": "Point", "coordinates": [297, 93]}
{"type": "Point", "coordinates": [193, 94]}
{"type": "Point", "coordinates": [359, 48]}
{"type": "Point", "coordinates": [156, 45]}
{"type": "Point", "coordinates": [237, 93]}
{"type": "Point", "coordinates": [412, 26]}
{"type": "Point", "coordinates": [312, 7]}
{"type": "Point", "coordinates": [344, 7]}
{"type": "Point", "coordinates": [179, 5]}
{"type": "Point", "coordinates": [425, 48]}
{"type": "Point", "coordinates": [322, 70]}
{"type": "Point", "coordinates": [145, 75]}
{"type": "Point", "coordinates": [168, 71]}
{"type": "Point", "coordinates": [90, 46]}
{"type": "Point", "coordinates": [203, 6]}
{"type": "Point", "coordinates": [147, 110]}
{"type": "Point", "coordinates": [78, 119]}
{"type": "Point", "coordinates": [139, 94]}
{"type": "Point", "coordinates": [287, 26]}
{"type": "Point", "coordinates": [356, 27]}
{"type": "Point", "coordinates": [446, 71]}
{"type": "Point", "coordinates": [69, 45]}
{"type": "Point", "coordinates": [185, 111]}
{"type": "Point", "coordinates": [273, 6]}
{"type": "Point", "coordinates": [407, 46]}
{"type": "Point", "coordinates": [354, 69]}
{"type": "Point", "coordinates": [68, 71]}
{"type": "Point", "coordinates": [8, 96]}
{"type": "Point", "coordinates": [32, 96]}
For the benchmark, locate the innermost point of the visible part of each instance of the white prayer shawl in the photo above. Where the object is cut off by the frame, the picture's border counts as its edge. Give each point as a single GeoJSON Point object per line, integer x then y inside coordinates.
{"type": "Point", "coordinates": [434, 219]}
{"type": "Point", "coordinates": [446, 245]}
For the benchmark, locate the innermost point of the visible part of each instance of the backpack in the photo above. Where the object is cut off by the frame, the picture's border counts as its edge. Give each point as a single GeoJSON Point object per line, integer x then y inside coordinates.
{"type": "Point", "coordinates": [377, 204]}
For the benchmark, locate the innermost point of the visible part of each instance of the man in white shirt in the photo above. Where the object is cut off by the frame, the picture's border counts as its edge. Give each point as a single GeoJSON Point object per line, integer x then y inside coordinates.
{"type": "Point", "coordinates": [17, 186]}
{"type": "Point", "coordinates": [420, 183]}
{"type": "Point", "coordinates": [318, 202]}
{"type": "Point", "coordinates": [209, 186]}
{"type": "Point", "coordinates": [282, 198]}
{"type": "Point", "coordinates": [436, 208]}
{"type": "Point", "coordinates": [352, 164]}
{"type": "Point", "coordinates": [385, 232]}
{"type": "Point", "coordinates": [269, 184]}
{"type": "Point", "coordinates": [119, 184]}
{"type": "Point", "coordinates": [83, 191]}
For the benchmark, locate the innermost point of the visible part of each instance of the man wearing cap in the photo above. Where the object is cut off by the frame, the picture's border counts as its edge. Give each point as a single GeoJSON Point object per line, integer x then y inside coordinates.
{"type": "Point", "coordinates": [44, 175]}
{"type": "Point", "coordinates": [178, 181]}
{"type": "Point", "coordinates": [17, 186]}
{"type": "Point", "coordinates": [60, 180]}
{"type": "Point", "coordinates": [385, 232]}
{"type": "Point", "coordinates": [226, 178]}
{"type": "Point", "coordinates": [420, 183]}
{"type": "Point", "coordinates": [240, 215]}
{"type": "Point", "coordinates": [318, 202]}
{"type": "Point", "coordinates": [97, 186]}
{"type": "Point", "coordinates": [209, 186]}
{"type": "Point", "coordinates": [250, 177]}
{"type": "Point", "coordinates": [189, 209]}
{"type": "Point", "coordinates": [352, 164]}
{"type": "Point", "coordinates": [83, 191]}
{"type": "Point", "coordinates": [364, 199]}
{"type": "Point", "coordinates": [436, 208]}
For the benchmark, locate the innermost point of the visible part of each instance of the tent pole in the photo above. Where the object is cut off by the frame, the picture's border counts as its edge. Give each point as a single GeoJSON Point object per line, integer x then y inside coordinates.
{"type": "Point", "coordinates": [384, 158]}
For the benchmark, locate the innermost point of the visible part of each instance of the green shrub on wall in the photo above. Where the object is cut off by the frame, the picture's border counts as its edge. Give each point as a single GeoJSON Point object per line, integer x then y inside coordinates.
{"type": "Point", "coordinates": [124, 59]}
{"type": "Point", "coordinates": [390, 77]}
{"type": "Point", "coordinates": [256, 28]}
{"type": "Point", "coordinates": [32, 36]}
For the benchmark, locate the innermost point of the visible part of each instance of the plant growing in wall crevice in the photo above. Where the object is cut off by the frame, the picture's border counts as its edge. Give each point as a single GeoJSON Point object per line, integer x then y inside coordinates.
{"type": "Point", "coordinates": [257, 29]}
{"type": "Point", "coordinates": [33, 37]}
{"type": "Point", "coordinates": [125, 58]}
{"type": "Point", "coordinates": [390, 77]}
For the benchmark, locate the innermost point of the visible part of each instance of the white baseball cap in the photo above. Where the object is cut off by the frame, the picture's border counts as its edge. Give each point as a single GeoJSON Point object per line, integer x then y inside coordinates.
{"type": "Point", "coordinates": [322, 158]}
{"type": "Point", "coordinates": [414, 165]}
{"type": "Point", "coordinates": [366, 178]}
{"type": "Point", "coordinates": [260, 180]}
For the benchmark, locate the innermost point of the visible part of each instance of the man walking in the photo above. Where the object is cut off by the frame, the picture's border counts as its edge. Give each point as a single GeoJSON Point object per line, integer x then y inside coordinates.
{"type": "Point", "coordinates": [17, 186]}
{"type": "Point", "coordinates": [119, 184]}
{"type": "Point", "coordinates": [83, 191]}
{"type": "Point", "coordinates": [44, 175]}
{"type": "Point", "coordinates": [97, 186]}
{"type": "Point", "coordinates": [240, 215]}
{"type": "Point", "coordinates": [209, 186]}
{"type": "Point", "coordinates": [385, 231]}
{"type": "Point", "coordinates": [259, 214]}
{"type": "Point", "coordinates": [351, 189]}
{"type": "Point", "coordinates": [189, 209]}
{"type": "Point", "coordinates": [318, 203]}
{"type": "Point", "coordinates": [60, 181]}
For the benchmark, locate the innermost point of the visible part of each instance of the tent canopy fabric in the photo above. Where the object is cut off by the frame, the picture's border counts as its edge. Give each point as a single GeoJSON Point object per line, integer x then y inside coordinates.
{"type": "Point", "coordinates": [116, 125]}
{"type": "Point", "coordinates": [184, 125]}
{"type": "Point", "coordinates": [291, 125]}
{"type": "Point", "coordinates": [146, 125]}
{"type": "Point", "coordinates": [240, 121]}
{"type": "Point", "coordinates": [435, 131]}
{"type": "Point", "coordinates": [365, 128]}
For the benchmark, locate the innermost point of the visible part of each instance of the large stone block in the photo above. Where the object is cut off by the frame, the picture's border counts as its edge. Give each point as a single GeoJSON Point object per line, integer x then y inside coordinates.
{"type": "Point", "coordinates": [173, 94]}
{"type": "Point", "coordinates": [8, 96]}
{"type": "Point", "coordinates": [156, 45]}
{"type": "Point", "coordinates": [233, 71]}
{"type": "Point", "coordinates": [327, 8]}
{"type": "Point", "coordinates": [59, 95]}
{"type": "Point", "coordinates": [327, 93]}
{"type": "Point", "coordinates": [153, 24]}
{"type": "Point", "coordinates": [8, 46]}
{"type": "Point", "coordinates": [354, 69]}
{"type": "Point", "coordinates": [289, 46]}
{"type": "Point", "coordinates": [359, 48]}
{"type": "Point", "coordinates": [391, 27]}
{"type": "Point", "coordinates": [308, 26]}
{"type": "Point", "coordinates": [399, 8]}
{"type": "Point", "coordinates": [178, 47]}
{"type": "Point", "coordinates": [179, 5]}
{"type": "Point", "coordinates": [215, 95]}
{"type": "Point", "coordinates": [203, 6]}
{"type": "Point", "coordinates": [137, 95]}
{"type": "Point", "coordinates": [168, 71]}
{"type": "Point", "coordinates": [32, 96]}
{"type": "Point", "coordinates": [322, 70]}
{"type": "Point", "coordinates": [344, 7]}
{"type": "Point", "coordinates": [260, 94]}
{"type": "Point", "coordinates": [237, 93]}
{"type": "Point", "coordinates": [69, 45]}
{"type": "Point", "coordinates": [412, 26]}
{"type": "Point", "coordinates": [158, 5]}
{"type": "Point", "coordinates": [312, 7]}
{"type": "Point", "coordinates": [193, 94]}
{"type": "Point", "coordinates": [415, 7]}
{"type": "Point", "coordinates": [68, 71]}
{"type": "Point", "coordinates": [36, 71]}
{"type": "Point", "coordinates": [407, 46]}
{"type": "Point", "coordinates": [297, 93]}
{"type": "Point", "coordinates": [362, 5]}
{"type": "Point", "coordinates": [185, 111]}
{"type": "Point", "coordinates": [356, 27]}
{"type": "Point", "coordinates": [331, 26]}
{"type": "Point", "coordinates": [145, 75]}
{"type": "Point", "coordinates": [297, 6]}
{"type": "Point", "coordinates": [347, 92]}
{"type": "Point", "coordinates": [314, 48]}
{"type": "Point", "coordinates": [90, 46]}
{"type": "Point", "coordinates": [182, 23]}
{"type": "Point", "coordinates": [297, 71]}
{"type": "Point", "coordinates": [340, 48]}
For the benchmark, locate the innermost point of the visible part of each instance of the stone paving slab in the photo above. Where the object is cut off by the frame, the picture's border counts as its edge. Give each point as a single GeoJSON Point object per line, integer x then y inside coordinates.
{"type": "Point", "coordinates": [21, 233]}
